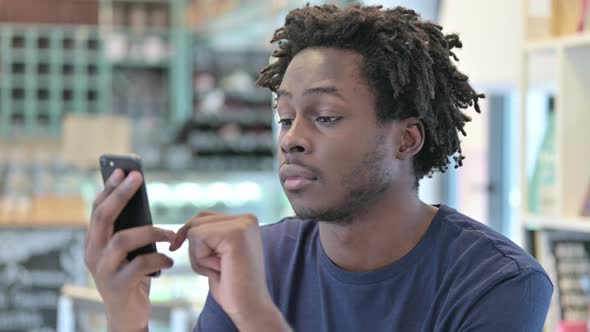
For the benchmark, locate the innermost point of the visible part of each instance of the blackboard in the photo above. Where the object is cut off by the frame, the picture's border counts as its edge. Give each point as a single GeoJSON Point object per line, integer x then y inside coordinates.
{"type": "Point", "coordinates": [34, 264]}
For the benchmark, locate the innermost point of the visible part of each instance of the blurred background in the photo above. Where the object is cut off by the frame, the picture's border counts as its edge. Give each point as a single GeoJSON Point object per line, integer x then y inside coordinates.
{"type": "Point", "coordinates": [174, 82]}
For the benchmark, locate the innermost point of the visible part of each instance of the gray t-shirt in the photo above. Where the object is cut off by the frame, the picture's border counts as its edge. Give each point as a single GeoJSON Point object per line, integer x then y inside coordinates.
{"type": "Point", "coordinates": [461, 276]}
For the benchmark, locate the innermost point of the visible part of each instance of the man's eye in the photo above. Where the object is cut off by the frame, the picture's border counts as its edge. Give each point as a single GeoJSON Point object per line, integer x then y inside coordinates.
{"type": "Point", "coordinates": [285, 122]}
{"type": "Point", "coordinates": [327, 119]}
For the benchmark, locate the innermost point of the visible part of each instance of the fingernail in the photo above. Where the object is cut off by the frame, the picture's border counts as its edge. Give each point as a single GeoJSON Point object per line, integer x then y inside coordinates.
{"type": "Point", "coordinates": [117, 176]}
{"type": "Point", "coordinates": [173, 245]}
{"type": "Point", "coordinates": [130, 181]}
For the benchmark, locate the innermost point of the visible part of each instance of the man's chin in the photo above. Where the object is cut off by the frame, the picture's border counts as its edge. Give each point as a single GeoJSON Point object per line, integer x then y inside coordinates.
{"type": "Point", "coordinates": [305, 212]}
{"type": "Point", "coordinates": [320, 214]}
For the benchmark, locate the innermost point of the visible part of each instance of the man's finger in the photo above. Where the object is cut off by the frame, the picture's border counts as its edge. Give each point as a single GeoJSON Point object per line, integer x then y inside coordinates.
{"type": "Point", "coordinates": [207, 213]}
{"type": "Point", "coordinates": [114, 203]}
{"type": "Point", "coordinates": [204, 270]}
{"type": "Point", "coordinates": [143, 265]}
{"type": "Point", "coordinates": [90, 246]}
{"type": "Point", "coordinates": [212, 263]}
{"type": "Point", "coordinates": [128, 240]}
{"type": "Point", "coordinates": [103, 218]}
{"type": "Point", "coordinates": [203, 258]}
{"type": "Point", "coordinates": [112, 182]}
{"type": "Point", "coordinates": [201, 218]}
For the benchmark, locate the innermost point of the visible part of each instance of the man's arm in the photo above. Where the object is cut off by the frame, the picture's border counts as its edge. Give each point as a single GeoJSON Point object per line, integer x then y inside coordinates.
{"type": "Point", "coordinates": [516, 304]}
{"type": "Point", "coordinates": [213, 318]}
{"type": "Point", "coordinates": [227, 249]}
{"type": "Point", "coordinates": [122, 284]}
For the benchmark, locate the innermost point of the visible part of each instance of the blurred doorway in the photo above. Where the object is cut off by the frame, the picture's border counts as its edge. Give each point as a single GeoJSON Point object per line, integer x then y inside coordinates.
{"type": "Point", "coordinates": [486, 186]}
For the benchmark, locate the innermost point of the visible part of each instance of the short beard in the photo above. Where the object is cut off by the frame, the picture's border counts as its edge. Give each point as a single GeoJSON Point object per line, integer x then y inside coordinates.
{"type": "Point", "coordinates": [365, 184]}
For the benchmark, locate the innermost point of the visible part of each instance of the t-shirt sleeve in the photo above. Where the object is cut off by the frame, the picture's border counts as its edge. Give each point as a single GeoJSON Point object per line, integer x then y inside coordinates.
{"type": "Point", "coordinates": [213, 318]}
{"type": "Point", "coordinates": [516, 304]}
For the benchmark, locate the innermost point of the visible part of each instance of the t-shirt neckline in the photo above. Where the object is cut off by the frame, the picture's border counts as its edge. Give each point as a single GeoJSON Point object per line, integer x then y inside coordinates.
{"type": "Point", "coordinates": [389, 272]}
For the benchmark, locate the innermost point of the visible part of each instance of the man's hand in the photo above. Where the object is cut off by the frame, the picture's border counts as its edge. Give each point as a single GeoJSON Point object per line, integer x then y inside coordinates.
{"type": "Point", "coordinates": [228, 250]}
{"type": "Point", "coordinates": [123, 285]}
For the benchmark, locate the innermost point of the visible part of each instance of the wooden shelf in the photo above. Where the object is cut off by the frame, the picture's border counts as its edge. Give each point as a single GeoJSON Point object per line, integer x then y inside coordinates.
{"type": "Point", "coordinates": [162, 2]}
{"type": "Point", "coordinates": [571, 72]}
{"type": "Point", "coordinates": [539, 223]}
{"type": "Point", "coordinates": [553, 45]}
{"type": "Point", "coordinates": [542, 46]}
{"type": "Point", "coordinates": [178, 313]}
{"type": "Point", "coordinates": [10, 223]}
{"type": "Point", "coordinates": [141, 64]}
{"type": "Point", "coordinates": [47, 211]}
{"type": "Point", "coordinates": [556, 67]}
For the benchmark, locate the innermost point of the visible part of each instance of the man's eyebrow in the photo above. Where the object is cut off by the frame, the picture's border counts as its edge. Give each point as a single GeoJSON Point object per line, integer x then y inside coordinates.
{"type": "Point", "coordinates": [330, 90]}
{"type": "Point", "coordinates": [283, 93]}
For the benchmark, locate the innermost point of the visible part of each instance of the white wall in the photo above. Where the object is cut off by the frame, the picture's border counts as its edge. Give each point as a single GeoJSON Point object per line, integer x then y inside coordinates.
{"type": "Point", "coordinates": [428, 9]}
{"type": "Point", "coordinates": [492, 34]}
{"type": "Point", "coordinates": [430, 189]}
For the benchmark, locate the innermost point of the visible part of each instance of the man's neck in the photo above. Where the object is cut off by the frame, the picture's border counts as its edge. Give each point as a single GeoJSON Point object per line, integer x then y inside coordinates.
{"type": "Point", "coordinates": [389, 230]}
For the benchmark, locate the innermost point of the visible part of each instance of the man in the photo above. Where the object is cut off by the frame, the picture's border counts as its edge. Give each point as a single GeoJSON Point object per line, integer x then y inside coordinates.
{"type": "Point", "coordinates": [369, 103]}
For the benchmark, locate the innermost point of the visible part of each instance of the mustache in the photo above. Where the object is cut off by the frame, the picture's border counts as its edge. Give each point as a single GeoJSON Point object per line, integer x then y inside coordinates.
{"type": "Point", "coordinates": [296, 162]}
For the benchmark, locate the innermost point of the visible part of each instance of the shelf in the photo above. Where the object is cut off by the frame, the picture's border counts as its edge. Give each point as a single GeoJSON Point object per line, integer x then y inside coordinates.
{"type": "Point", "coordinates": [246, 143]}
{"type": "Point", "coordinates": [50, 69]}
{"type": "Point", "coordinates": [47, 29]}
{"type": "Point", "coordinates": [552, 45]}
{"type": "Point", "coordinates": [163, 32]}
{"type": "Point", "coordinates": [140, 64]}
{"type": "Point", "coordinates": [582, 40]}
{"type": "Point", "coordinates": [6, 222]}
{"type": "Point", "coordinates": [237, 163]}
{"type": "Point", "coordinates": [237, 117]}
{"type": "Point", "coordinates": [571, 74]}
{"type": "Point", "coordinates": [88, 300]}
{"type": "Point", "coordinates": [253, 13]}
{"type": "Point", "coordinates": [162, 2]}
{"type": "Point", "coordinates": [540, 223]}
{"type": "Point", "coordinates": [36, 56]}
{"type": "Point", "coordinates": [46, 81]}
{"type": "Point", "coordinates": [258, 97]}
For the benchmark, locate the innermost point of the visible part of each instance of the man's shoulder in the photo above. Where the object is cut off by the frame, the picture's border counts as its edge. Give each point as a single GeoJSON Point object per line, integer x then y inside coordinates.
{"type": "Point", "coordinates": [482, 272]}
{"type": "Point", "coordinates": [478, 248]}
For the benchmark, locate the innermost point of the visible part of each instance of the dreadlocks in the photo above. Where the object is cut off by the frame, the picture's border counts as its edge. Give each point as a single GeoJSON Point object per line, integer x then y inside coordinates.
{"type": "Point", "coordinates": [407, 63]}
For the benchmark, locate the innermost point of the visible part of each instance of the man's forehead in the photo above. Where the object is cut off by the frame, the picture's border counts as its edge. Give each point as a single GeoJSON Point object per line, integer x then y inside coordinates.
{"type": "Point", "coordinates": [330, 62]}
{"type": "Point", "coordinates": [321, 67]}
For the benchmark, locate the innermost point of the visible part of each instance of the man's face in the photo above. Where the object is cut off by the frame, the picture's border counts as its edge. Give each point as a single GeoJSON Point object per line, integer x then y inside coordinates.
{"type": "Point", "coordinates": [334, 157]}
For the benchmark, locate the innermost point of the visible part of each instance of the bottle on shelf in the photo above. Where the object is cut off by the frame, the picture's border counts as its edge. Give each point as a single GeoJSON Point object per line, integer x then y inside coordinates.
{"type": "Point", "coordinates": [586, 205]}
{"type": "Point", "coordinates": [542, 198]}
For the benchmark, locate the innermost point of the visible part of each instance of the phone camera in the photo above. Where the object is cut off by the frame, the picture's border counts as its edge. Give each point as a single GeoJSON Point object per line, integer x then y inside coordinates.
{"type": "Point", "coordinates": [111, 164]}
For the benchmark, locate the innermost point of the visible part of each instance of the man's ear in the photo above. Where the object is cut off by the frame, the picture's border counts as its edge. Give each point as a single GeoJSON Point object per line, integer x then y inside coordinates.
{"type": "Point", "coordinates": [413, 135]}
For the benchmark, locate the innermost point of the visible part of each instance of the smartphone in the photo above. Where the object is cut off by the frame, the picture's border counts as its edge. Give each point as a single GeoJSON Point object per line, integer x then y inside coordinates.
{"type": "Point", "coordinates": [137, 211]}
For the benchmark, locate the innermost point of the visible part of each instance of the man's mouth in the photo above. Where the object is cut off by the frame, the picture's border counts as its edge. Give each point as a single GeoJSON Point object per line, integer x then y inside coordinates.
{"type": "Point", "coordinates": [293, 183]}
{"type": "Point", "coordinates": [295, 177]}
